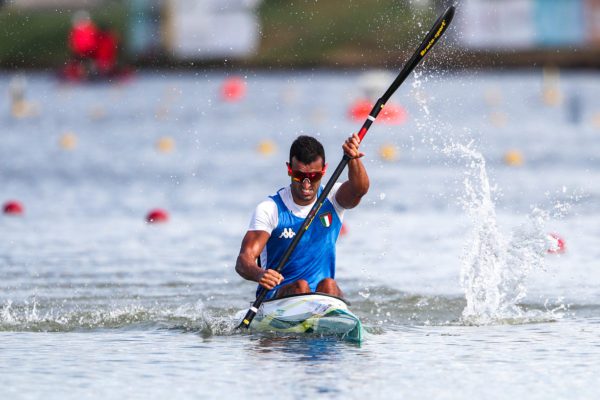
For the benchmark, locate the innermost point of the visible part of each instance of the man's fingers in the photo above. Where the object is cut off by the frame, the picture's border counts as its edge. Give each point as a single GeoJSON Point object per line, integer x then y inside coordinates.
{"type": "Point", "coordinates": [270, 279]}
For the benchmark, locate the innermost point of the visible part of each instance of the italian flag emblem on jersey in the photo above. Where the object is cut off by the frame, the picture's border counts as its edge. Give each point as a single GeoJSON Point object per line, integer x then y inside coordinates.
{"type": "Point", "coordinates": [326, 219]}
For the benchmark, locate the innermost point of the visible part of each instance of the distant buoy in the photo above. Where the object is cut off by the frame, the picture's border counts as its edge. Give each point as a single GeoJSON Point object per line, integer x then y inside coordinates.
{"type": "Point", "coordinates": [24, 109]}
{"type": "Point", "coordinates": [158, 215]}
{"type": "Point", "coordinates": [360, 109]}
{"type": "Point", "coordinates": [68, 141]}
{"type": "Point", "coordinates": [13, 207]}
{"type": "Point", "coordinates": [266, 147]}
{"type": "Point", "coordinates": [513, 158]}
{"type": "Point", "coordinates": [552, 96]}
{"type": "Point", "coordinates": [556, 244]}
{"type": "Point", "coordinates": [344, 230]}
{"type": "Point", "coordinates": [165, 144]}
{"type": "Point", "coordinates": [233, 89]}
{"type": "Point", "coordinates": [388, 152]}
{"type": "Point", "coordinates": [551, 93]}
{"type": "Point", "coordinates": [391, 113]}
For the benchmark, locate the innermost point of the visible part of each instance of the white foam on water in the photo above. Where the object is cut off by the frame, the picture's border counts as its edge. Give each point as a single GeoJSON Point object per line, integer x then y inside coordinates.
{"type": "Point", "coordinates": [495, 269]}
{"type": "Point", "coordinates": [31, 316]}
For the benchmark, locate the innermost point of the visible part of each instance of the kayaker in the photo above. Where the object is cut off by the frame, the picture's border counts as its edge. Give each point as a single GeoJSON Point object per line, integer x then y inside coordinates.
{"type": "Point", "coordinates": [311, 267]}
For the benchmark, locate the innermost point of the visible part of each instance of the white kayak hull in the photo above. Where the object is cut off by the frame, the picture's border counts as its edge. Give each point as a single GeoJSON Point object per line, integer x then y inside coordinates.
{"type": "Point", "coordinates": [312, 313]}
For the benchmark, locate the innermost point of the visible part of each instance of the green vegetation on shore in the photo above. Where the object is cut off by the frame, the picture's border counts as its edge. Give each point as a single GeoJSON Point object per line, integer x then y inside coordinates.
{"type": "Point", "coordinates": [338, 32]}
{"type": "Point", "coordinates": [293, 33]}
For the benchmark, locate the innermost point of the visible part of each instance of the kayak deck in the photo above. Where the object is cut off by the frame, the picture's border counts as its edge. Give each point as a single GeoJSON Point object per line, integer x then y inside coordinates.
{"type": "Point", "coordinates": [313, 313]}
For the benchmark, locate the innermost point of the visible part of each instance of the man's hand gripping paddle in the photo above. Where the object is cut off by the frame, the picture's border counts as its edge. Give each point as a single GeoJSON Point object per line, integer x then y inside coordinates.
{"type": "Point", "coordinates": [430, 40]}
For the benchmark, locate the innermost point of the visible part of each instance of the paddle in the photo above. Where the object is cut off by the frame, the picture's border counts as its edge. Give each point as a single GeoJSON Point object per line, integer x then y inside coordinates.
{"type": "Point", "coordinates": [431, 39]}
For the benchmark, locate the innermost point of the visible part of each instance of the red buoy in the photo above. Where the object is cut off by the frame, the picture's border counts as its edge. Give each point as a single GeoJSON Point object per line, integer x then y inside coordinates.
{"type": "Point", "coordinates": [390, 114]}
{"type": "Point", "coordinates": [557, 244]}
{"type": "Point", "coordinates": [344, 230]}
{"type": "Point", "coordinates": [13, 207]}
{"type": "Point", "coordinates": [233, 89]}
{"type": "Point", "coordinates": [158, 215]}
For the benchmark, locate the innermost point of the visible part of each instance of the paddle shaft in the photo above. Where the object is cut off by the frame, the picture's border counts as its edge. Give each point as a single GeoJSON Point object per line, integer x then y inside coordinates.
{"type": "Point", "coordinates": [432, 37]}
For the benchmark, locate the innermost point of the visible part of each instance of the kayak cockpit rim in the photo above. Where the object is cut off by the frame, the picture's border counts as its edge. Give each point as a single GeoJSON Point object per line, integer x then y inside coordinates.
{"type": "Point", "coordinates": [308, 294]}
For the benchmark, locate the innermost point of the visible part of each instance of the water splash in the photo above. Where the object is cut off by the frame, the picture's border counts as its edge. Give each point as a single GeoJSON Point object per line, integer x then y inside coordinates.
{"type": "Point", "coordinates": [32, 316]}
{"type": "Point", "coordinates": [494, 269]}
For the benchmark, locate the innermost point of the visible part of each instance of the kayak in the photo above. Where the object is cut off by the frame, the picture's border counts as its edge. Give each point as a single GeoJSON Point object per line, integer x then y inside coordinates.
{"type": "Point", "coordinates": [312, 313]}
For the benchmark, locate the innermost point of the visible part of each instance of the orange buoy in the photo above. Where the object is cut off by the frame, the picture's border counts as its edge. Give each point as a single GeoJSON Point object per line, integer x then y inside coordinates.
{"type": "Point", "coordinates": [158, 215]}
{"type": "Point", "coordinates": [13, 207]}
{"type": "Point", "coordinates": [388, 152]}
{"type": "Point", "coordinates": [557, 244]}
{"type": "Point", "coordinates": [513, 158]}
{"type": "Point", "coordinates": [165, 144]}
{"type": "Point", "coordinates": [390, 114]}
{"type": "Point", "coordinates": [68, 141]}
{"type": "Point", "coordinates": [233, 89]}
{"type": "Point", "coordinates": [266, 147]}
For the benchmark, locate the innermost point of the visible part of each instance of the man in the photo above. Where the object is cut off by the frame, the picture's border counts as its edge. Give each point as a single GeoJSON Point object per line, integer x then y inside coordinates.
{"type": "Point", "coordinates": [311, 267]}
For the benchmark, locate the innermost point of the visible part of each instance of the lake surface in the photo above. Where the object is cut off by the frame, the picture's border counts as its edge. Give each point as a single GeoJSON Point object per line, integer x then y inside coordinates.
{"type": "Point", "coordinates": [445, 260]}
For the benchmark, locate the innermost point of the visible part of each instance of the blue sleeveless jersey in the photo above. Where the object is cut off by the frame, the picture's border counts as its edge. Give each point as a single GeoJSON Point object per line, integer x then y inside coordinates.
{"type": "Point", "coordinates": [314, 257]}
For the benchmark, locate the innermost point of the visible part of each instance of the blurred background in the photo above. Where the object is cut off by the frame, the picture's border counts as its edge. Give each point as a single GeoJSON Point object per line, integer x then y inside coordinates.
{"type": "Point", "coordinates": [279, 33]}
{"type": "Point", "coordinates": [137, 137]}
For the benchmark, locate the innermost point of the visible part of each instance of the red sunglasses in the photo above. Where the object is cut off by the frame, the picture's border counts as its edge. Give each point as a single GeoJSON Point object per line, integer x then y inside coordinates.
{"type": "Point", "coordinates": [299, 176]}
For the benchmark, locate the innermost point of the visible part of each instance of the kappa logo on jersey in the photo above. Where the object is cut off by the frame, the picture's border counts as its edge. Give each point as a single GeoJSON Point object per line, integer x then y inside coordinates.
{"type": "Point", "coordinates": [326, 219]}
{"type": "Point", "coordinates": [287, 233]}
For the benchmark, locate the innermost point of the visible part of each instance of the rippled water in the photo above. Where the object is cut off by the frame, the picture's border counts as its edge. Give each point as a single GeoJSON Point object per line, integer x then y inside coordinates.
{"type": "Point", "coordinates": [444, 261]}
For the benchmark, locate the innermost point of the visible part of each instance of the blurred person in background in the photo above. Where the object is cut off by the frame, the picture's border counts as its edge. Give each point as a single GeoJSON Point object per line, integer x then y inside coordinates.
{"type": "Point", "coordinates": [94, 50]}
{"type": "Point", "coordinates": [107, 50]}
{"type": "Point", "coordinates": [83, 37]}
{"type": "Point", "coordinates": [82, 41]}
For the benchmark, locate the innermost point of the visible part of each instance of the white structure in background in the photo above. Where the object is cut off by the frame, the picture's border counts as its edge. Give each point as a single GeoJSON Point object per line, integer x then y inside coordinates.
{"type": "Point", "coordinates": [497, 24]}
{"type": "Point", "coordinates": [528, 24]}
{"type": "Point", "coordinates": [211, 29]}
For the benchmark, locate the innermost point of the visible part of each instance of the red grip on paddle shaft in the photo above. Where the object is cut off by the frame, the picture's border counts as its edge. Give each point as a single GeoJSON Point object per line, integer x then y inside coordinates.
{"type": "Point", "coordinates": [431, 38]}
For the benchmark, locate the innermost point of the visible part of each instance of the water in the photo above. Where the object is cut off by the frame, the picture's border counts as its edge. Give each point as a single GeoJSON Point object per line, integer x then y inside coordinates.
{"type": "Point", "coordinates": [444, 261]}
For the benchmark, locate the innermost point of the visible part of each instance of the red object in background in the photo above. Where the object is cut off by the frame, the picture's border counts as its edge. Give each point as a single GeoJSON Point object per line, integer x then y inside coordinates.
{"type": "Point", "coordinates": [106, 53]}
{"type": "Point", "coordinates": [391, 113]}
{"type": "Point", "coordinates": [74, 71]}
{"type": "Point", "coordinates": [13, 207]}
{"type": "Point", "coordinates": [157, 215]}
{"type": "Point", "coordinates": [344, 230]}
{"type": "Point", "coordinates": [233, 89]}
{"type": "Point", "coordinates": [83, 39]}
{"type": "Point", "coordinates": [559, 247]}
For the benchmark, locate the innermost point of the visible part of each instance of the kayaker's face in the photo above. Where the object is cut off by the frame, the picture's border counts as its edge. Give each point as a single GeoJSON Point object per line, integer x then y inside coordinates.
{"type": "Point", "coordinates": [306, 179]}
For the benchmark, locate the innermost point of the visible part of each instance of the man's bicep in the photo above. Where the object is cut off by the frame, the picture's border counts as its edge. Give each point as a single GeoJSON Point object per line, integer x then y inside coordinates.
{"type": "Point", "coordinates": [254, 242]}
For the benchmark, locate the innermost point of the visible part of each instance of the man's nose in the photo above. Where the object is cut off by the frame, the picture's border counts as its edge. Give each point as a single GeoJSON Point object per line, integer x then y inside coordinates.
{"type": "Point", "coordinates": [306, 183]}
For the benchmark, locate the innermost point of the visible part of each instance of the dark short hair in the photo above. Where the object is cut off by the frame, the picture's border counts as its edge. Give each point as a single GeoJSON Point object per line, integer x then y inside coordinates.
{"type": "Point", "coordinates": [307, 149]}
